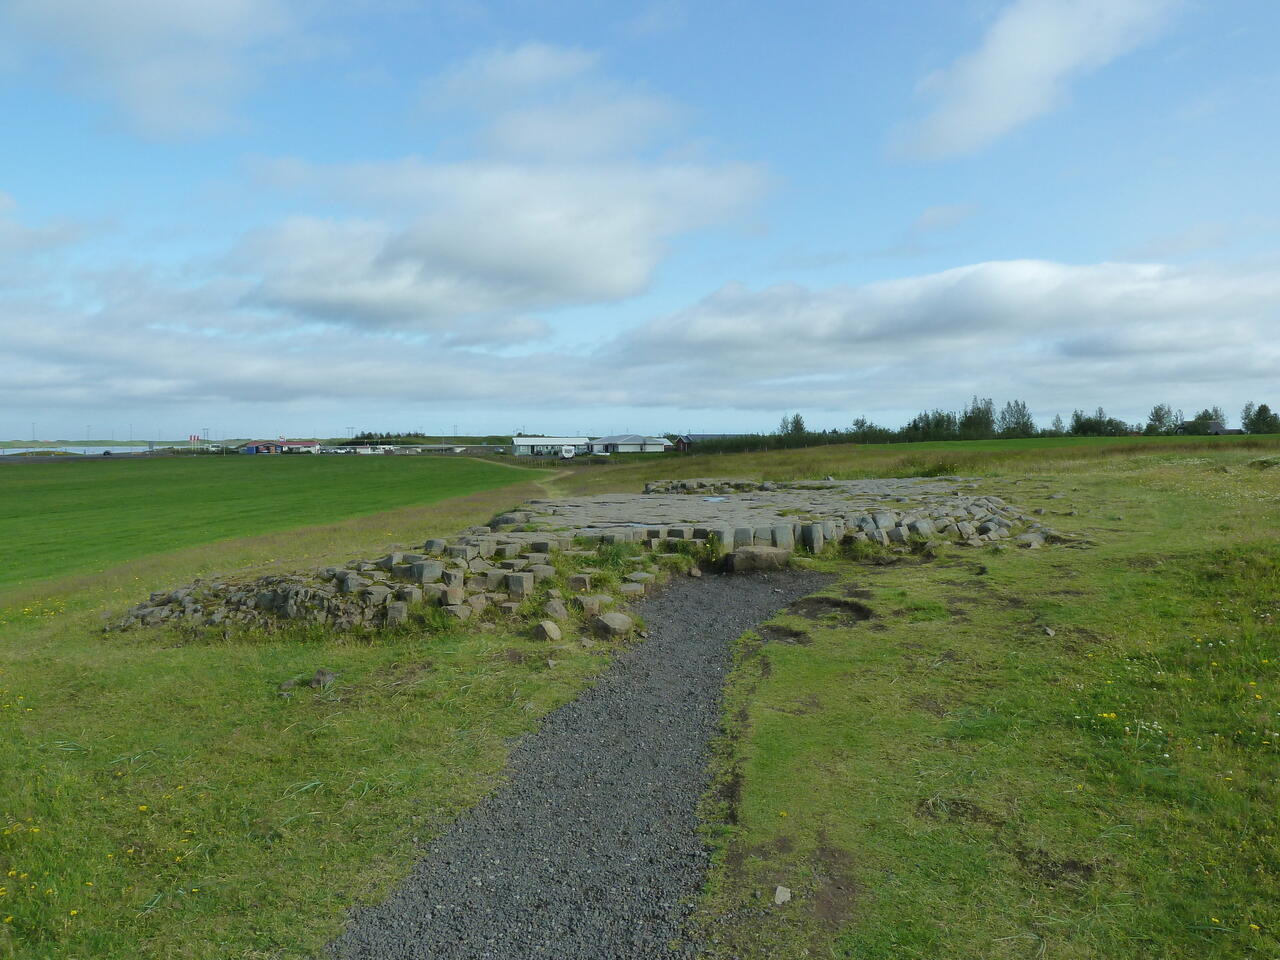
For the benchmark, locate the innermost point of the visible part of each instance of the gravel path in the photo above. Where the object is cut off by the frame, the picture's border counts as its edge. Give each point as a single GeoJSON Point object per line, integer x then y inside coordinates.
{"type": "Point", "coordinates": [591, 850]}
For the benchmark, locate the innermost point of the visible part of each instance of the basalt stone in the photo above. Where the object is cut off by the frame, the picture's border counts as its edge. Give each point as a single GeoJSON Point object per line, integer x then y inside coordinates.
{"type": "Point", "coordinates": [389, 561]}
{"type": "Point", "coordinates": [397, 612]}
{"type": "Point", "coordinates": [547, 630]}
{"type": "Point", "coordinates": [612, 625]}
{"type": "Point", "coordinates": [757, 558]}
{"type": "Point", "coordinates": [454, 577]}
{"type": "Point", "coordinates": [453, 596]}
{"type": "Point", "coordinates": [426, 571]}
{"type": "Point", "coordinates": [461, 611]}
{"type": "Point", "coordinates": [410, 595]}
{"type": "Point", "coordinates": [542, 571]}
{"type": "Point", "coordinates": [520, 585]}
{"type": "Point", "coordinates": [812, 537]}
{"type": "Point", "coordinates": [782, 536]}
{"type": "Point", "coordinates": [580, 582]}
{"type": "Point", "coordinates": [632, 589]}
{"type": "Point", "coordinates": [462, 551]}
{"type": "Point", "coordinates": [556, 609]}
{"type": "Point", "coordinates": [514, 565]}
{"type": "Point", "coordinates": [435, 547]}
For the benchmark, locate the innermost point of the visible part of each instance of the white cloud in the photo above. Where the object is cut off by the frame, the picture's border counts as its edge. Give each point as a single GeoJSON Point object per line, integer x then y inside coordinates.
{"type": "Point", "coordinates": [19, 239]}
{"type": "Point", "coordinates": [461, 241]}
{"type": "Point", "coordinates": [1023, 67]}
{"type": "Point", "coordinates": [174, 67]}
{"type": "Point", "coordinates": [501, 75]}
{"type": "Point", "coordinates": [1050, 332]}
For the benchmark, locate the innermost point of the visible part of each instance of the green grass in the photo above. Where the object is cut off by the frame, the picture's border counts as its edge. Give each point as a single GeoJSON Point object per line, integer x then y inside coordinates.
{"type": "Point", "coordinates": [60, 518]}
{"type": "Point", "coordinates": [948, 779]}
{"type": "Point", "coordinates": [942, 780]}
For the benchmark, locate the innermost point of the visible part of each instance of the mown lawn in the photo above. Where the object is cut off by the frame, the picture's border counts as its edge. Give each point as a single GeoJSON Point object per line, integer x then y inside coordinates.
{"type": "Point", "coordinates": [1069, 753]}
{"type": "Point", "coordinates": [77, 516]}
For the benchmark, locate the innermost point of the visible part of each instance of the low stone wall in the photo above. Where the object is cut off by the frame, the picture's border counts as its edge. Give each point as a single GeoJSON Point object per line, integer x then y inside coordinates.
{"type": "Point", "coordinates": [507, 569]}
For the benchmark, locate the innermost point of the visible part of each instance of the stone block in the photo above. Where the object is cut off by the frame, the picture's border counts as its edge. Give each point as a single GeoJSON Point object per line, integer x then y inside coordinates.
{"type": "Point", "coordinates": [752, 559]}
{"type": "Point", "coordinates": [496, 579]}
{"type": "Point", "coordinates": [509, 608]}
{"type": "Point", "coordinates": [505, 551]}
{"type": "Point", "coordinates": [376, 592]}
{"type": "Point", "coordinates": [516, 564]}
{"type": "Point", "coordinates": [535, 556]}
{"type": "Point", "coordinates": [640, 576]}
{"type": "Point", "coordinates": [547, 630]}
{"type": "Point", "coordinates": [397, 612]}
{"type": "Point", "coordinates": [612, 625]}
{"type": "Point", "coordinates": [580, 582]}
{"type": "Point", "coordinates": [410, 595]}
{"type": "Point", "coordinates": [389, 561]}
{"type": "Point", "coordinates": [462, 611]}
{"type": "Point", "coordinates": [556, 610]}
{"type": "Point", "coordinates": [426, 571]}
{"type": "Point", "coordinates": [812, 537]}
{"type": "Point", "coordinates": [783, 537]}
{"type": "Point", "coordinates": [588, 604]}
{"type": "Point", "coordinates": [542, 546]}
{"type": "Point", "coordinates": [434, 548]}
{"type": "Point", "coordinates": [478, 601]}
{"type": "Point", "coordinates": [633, 589]}
{"type": "Point", "coordinates": [462, 551]}
{"type": "Point", "coordinates": [453, 577]}
{"type": "Point", "coordinates": [542, 571]}
{"type": "Point", "coordinates": [922, 527]}
{"type": "Point", "coordinates": [452, 596]}
{"type": "Point", "coordinates": [743, 537]}
{"type": "Point", "coordinates": [520, 585]}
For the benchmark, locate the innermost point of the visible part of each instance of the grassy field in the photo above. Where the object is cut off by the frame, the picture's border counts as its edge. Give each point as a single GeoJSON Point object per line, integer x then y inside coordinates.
{"type": "Point", "coordinates": [944, 779]}
{"type": "Point", "coordinates": [61, 518]}
{"type": "Point", "coordinates": [1065, 753]}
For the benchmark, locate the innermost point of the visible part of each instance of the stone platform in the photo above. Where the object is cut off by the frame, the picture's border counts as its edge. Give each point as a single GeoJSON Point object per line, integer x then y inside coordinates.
{"type": "Point", "coordinates": [535, 562]}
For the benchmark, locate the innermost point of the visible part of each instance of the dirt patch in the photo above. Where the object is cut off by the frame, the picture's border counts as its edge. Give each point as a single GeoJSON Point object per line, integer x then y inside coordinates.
{"type": "Point", "coordinates": [955, 810]}
{"type": "Point", "coordinates": [1047, 867]}
{"type": "Point", "coordinates": [780, 633]}
{"type": "Point", "coordinates": [837, 892]}
{"type": "Point", "coordinates": [801, 708]}
{"type": "Point", "coordinates": [930, 705]}
{"type": "Point", "coordinates": [845, 610]}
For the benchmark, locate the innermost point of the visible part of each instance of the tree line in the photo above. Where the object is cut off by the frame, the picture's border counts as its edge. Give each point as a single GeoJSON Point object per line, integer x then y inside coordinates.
{"type": "Point", "coordinates": [981, 420]}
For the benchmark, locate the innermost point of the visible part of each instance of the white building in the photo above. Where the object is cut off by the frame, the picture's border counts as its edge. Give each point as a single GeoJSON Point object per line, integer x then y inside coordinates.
{"type": "Point", "coordinates": [630, 443]}
{"type": "Point", "coordinates": [548, 446]}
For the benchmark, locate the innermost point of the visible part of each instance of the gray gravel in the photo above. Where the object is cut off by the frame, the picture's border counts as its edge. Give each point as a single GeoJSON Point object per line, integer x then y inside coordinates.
{"type": "Point", "coordinates": [591, 850]}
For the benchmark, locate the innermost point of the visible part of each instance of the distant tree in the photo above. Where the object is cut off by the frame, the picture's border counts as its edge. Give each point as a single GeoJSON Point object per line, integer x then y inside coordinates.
{"type": "Point", "coordinates": [796, 427]}
{"type": "Point", "coordinates": [1160, 421]}
{"type": "Point", "coordinates": [1263, 421]}
{"type": "Point", "coordinates": [978, 421]}
{"type": "Point", "coordinates": [1097, 425]}
{"type": "Point", "coordinates": [784, 425]}
{"type": "Point", "coordinates": [931, 425]}
{"type": "Point", "coordinates": [1246, 417]}
{"type": "Point", "coordinates": [863, 430]}
{"type": "Point", "coordinates": [1057, 428]}
{"type": "Point", "coordinates": [1203, 421]}
{"type": "Point", "coordinates": [1015, 421]}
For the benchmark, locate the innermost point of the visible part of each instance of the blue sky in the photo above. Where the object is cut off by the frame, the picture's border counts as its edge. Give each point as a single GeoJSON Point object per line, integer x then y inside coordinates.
{"type": "Point", "coordinates": [287, 217]}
